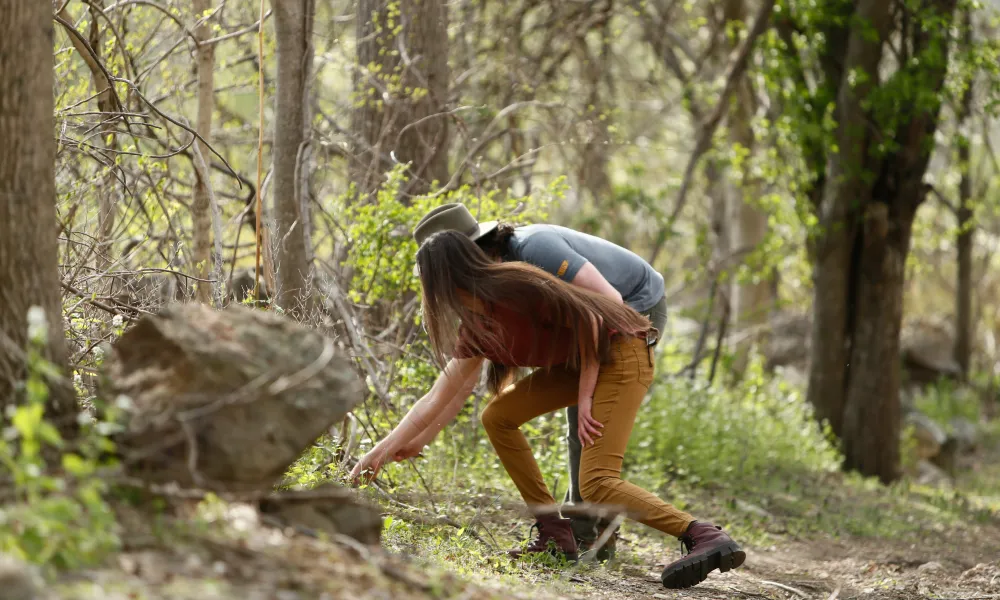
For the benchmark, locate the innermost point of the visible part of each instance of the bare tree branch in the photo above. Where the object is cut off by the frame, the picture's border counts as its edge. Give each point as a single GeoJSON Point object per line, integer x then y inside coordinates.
{"type": "Point", "coordinates": [736, 71]}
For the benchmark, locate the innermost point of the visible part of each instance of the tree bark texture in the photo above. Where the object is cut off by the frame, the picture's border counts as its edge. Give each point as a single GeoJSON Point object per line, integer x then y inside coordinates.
{"type": "Point", "coordinates": [844, 185]}
{"type": "Point", "coordinates": [28, 252]}
{"type": "Point", "coordinates": [872, 411]}
{"type": "Point", "coordinates": [293, 23]}
{"type": "Point", "coordinates": [108, 140]}
{"type": "Point", "coordinates": [966, 228]}
{"type": "Point", "coordinates": [200, 206]}
{"type": "Point", "coordinates": [751, 301]}
{"type": "Point", "coordinates": [596, 154]}
{"type": "Point", "coordinates": [868, 205]}
{"type": "Point", "coordinates": [401, 94]}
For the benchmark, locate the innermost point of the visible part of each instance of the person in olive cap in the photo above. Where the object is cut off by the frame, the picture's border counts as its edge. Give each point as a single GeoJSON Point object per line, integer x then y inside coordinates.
{"type": "Point", "coordinates": [579, 259]}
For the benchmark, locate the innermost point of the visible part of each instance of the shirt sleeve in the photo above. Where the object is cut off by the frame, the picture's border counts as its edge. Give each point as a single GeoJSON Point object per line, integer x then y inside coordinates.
{"type": "Point", "coordinates": [550, 252]}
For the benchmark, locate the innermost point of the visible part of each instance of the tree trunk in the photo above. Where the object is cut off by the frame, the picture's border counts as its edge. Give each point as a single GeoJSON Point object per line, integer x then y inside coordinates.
{"type": "Point", "coordinates": [844, 187]}
{"type": "Point", "coordinates": [966, 228]}
{"type": "Point", "coordinates": [200, 205]}
{"type": "Point", "coordinates": [964, 241]}
{"type": "Point", "coordinates": [401, 93]}
{"type": "Point", "coordinates": [593, 174]}
{"type": "Point", "coordinates": [293, 24]}
{"type": "Point", "coordinates": [751, 300]}
{"type": "Point", "coordinates": [28, 250]}
{"type": "Point", "coordinates": [868, 206]}
{"type": "Point", "coordinates": [872, 411]}
{"type": "Point", "coordinates": [106, 103]}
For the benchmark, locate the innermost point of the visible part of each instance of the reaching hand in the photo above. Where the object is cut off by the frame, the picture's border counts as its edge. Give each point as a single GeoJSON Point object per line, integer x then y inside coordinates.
{"type": "Point", "coordinates": [587, 426]}
{"type": "Point", "coordinates": [368, 467]}
{"type": "Point", "coordinates": [410, 450]}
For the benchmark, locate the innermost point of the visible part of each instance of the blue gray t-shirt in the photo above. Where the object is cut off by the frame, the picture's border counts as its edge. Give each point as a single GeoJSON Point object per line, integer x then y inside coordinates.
{"type": "Point", "coordinates": [562, 251]}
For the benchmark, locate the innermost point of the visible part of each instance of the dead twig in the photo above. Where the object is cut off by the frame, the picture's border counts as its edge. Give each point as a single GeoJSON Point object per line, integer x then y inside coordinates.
{"type": "Point", "coordinates": [787, 588]}
{"type": "Point", "coordinates": [105, 307]}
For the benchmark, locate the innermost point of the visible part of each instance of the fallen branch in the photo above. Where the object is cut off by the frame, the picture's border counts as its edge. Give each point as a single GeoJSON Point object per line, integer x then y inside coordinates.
{"type": "Point", "coordinates": [787, 588]}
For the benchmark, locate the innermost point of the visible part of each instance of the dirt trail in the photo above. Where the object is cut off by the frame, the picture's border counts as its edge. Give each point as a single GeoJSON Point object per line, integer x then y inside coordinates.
{"type": "Point", "coordinates": [964, 565]}
{"type": "Point", "coordinates": [261, 563]}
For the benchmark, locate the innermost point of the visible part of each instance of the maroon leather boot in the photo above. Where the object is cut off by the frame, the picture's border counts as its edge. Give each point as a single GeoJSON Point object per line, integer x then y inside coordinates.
{"type": "Point", "coordinates": [709, 548]}
{"type": "Point", "coordinates": [554, 529]}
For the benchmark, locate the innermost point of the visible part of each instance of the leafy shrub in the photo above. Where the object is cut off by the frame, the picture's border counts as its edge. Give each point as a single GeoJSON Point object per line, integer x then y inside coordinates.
{"type": "Point", "coordinates": [691, 432]}
{"type": "Point", "coordinates": [946, 400]}
{"type": "Point", "coordinates": [58, 515]}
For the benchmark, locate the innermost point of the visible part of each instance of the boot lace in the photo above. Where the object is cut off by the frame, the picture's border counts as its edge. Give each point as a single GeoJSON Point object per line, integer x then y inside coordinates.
{"type": "Point", "coordinates": [687, 543]}
{"type": "Point", "coordinates": [537, 540]}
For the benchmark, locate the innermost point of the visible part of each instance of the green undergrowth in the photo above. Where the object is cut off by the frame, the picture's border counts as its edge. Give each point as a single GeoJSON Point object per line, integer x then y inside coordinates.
{"type": "Point", "coordinates": [746, 456]}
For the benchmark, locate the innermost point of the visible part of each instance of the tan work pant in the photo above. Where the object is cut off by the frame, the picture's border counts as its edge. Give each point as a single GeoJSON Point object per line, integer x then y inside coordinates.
{"type": "Point", "coordinates": [621, 385]}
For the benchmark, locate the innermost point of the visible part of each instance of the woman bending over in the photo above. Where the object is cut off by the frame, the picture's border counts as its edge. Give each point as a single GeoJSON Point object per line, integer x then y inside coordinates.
{"type": "Point", "coordinates": [586, 350]}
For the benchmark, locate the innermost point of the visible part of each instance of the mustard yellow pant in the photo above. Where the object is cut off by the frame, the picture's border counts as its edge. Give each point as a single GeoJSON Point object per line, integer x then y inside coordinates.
{"type": "Point", "coordinates": [621, 386]}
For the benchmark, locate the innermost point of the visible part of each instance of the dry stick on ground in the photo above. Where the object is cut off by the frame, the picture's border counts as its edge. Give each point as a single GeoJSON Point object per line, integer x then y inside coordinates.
{"type": "Point", "coordinates": [787, 588]}
{"type": "Point", "coordinates": [712, 123]}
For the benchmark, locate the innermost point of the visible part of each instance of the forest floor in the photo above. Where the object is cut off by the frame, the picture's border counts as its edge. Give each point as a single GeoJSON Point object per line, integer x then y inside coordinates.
{"type": "Point", "coordinates": [808, 536]}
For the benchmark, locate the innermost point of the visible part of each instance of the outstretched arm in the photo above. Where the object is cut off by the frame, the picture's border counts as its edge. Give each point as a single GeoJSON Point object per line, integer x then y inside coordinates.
{"type": "Point", "coordinates": [427, 417]}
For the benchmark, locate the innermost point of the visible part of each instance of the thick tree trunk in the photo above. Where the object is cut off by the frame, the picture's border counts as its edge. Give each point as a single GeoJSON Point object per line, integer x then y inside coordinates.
{"type": "Point", "coordinates": [200, 205]}
{"type": "Point", "coordinates": [872, 409]}
{"type": "Point", "coordinates": [293, 23]}
{"type": "Point", "coordinates": [401, 90]}
{"type": "Point", "coordinates": [845, 188]}
{"type": "Point", "coordinates": [28, 251]}
{"type": "Point", "coordinates": [868, 207]}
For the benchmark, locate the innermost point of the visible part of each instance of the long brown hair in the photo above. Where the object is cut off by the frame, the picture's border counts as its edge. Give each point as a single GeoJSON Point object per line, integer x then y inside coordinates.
{"type": "Point", "coordinates": [454, 269]}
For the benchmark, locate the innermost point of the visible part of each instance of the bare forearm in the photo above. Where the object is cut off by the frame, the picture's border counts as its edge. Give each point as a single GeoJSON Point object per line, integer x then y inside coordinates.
{"type": "Point", "coordinates": [448, 414]}
{"type": "Point", "coordinates": [435, 410]}
{"type": "Point", "coordinates": [590, 366]}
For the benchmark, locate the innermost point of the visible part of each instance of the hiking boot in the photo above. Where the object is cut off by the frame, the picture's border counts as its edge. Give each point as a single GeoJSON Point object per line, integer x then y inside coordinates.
{"type": "Point", "coordinates": [554, 529]}
{"type": "Point", "coordinates": [709, 548]}
{"type": "Point", "coordinates": [587, 534]}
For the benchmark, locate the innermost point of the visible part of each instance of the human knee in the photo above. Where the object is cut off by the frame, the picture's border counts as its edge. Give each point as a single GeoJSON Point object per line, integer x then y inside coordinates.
{"type": "Point", "coordinates": [592, 486]}
{"type": "Point", "coordinates": [492, 418]}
